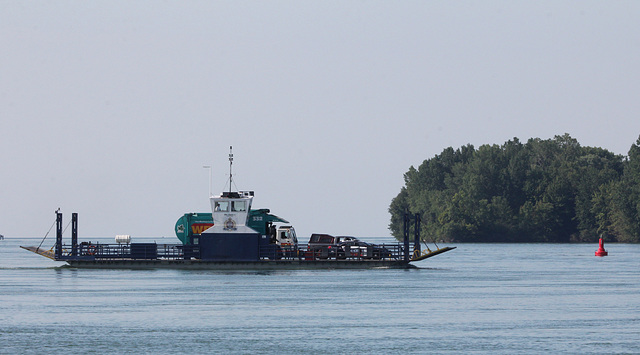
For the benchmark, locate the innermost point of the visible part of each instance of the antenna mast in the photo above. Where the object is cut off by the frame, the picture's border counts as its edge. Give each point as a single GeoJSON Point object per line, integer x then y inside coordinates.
{"type": "Point", "coordinates": [230, 165]}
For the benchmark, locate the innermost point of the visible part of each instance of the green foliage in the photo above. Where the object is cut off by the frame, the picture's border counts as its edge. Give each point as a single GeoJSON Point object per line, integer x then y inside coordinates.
{"type": "Point", "coordinates": [542, 191]}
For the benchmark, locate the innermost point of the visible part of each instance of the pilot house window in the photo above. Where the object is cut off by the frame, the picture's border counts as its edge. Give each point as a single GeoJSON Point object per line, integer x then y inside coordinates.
{"type": "Point", "coordinates": [238, 206]}
{"type": "Point", "coordinates": [222, 206]}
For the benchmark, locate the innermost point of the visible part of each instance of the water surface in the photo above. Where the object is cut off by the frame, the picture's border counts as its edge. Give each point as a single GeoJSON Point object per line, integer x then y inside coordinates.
{"type": "Point", "coordinates": [478, 298]}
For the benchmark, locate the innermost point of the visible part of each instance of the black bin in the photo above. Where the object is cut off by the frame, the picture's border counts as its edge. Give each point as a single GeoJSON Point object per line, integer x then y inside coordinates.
{"type": "Point", "coordinates": [144, 251]}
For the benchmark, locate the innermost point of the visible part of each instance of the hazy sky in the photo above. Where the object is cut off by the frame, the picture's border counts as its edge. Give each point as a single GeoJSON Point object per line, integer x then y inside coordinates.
{"type": "Point", "coordinates": [111, 108]}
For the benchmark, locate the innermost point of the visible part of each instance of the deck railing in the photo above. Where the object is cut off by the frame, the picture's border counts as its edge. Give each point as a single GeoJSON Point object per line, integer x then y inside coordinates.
{"type": "Point", "coordinates": [153, 251]}
{"type": "Point", "coordinates": [131, 251]}
{"type": "Point", "coordinates": [334, 252]}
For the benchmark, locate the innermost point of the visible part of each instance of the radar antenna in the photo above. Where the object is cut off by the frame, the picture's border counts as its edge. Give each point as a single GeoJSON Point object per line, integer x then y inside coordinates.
{"type": "Point", "coordinates": [230, 166]}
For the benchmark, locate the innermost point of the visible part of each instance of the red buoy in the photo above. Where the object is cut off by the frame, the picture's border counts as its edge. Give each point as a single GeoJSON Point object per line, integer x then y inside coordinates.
{"type": "Point", "coordinates": [601, 251]}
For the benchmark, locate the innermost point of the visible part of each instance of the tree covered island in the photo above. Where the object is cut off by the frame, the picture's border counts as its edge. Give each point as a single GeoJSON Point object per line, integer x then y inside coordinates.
{"type": "Point", "coordinates": [550, 190]}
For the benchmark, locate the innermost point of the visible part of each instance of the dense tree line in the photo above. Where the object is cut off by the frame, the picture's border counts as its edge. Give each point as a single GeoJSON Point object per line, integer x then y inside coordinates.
{"type": "Point", "coordinates": [550, 190]}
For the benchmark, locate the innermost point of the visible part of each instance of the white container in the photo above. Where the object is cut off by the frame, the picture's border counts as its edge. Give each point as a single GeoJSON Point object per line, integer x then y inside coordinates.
{"type": "Point", "coordinates": [123, 239]}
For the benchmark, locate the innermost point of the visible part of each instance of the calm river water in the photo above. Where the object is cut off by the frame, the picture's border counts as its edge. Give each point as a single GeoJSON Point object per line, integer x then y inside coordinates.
{"type": "Point", "coordinates": [476, 299]}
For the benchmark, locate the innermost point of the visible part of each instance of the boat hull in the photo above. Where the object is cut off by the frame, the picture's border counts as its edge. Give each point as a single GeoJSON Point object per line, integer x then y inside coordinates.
{"type": "Point", "coordinates": [239, 265]}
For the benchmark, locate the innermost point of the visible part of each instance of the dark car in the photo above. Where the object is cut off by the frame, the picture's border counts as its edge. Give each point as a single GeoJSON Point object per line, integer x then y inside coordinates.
{"type": "Point", "coordinates": [325, 246]}
{"type": "Point", "coordinates": [351, 247]}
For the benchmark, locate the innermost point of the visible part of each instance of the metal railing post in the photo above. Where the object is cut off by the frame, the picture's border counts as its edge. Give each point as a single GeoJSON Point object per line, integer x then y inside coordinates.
{"type": "Point", "coordinates": [416, 232]}
{"type": "Point", "coordinates": [406, 236]}
{"type": "Point", "coordinates": [58, 251]}
{"type": "Point", "coordinates": [74, 234]}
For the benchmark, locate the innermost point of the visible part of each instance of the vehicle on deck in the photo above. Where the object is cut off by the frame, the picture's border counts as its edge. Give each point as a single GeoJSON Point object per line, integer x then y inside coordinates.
{"type": "Point", "coordinates": [352, 247]}
{"type": "Point", "coordinates": [285, 240]}
{"type": "Point", "coordinates": [322, 246]}
{"type": "Point", "coordinates": [325, 246]}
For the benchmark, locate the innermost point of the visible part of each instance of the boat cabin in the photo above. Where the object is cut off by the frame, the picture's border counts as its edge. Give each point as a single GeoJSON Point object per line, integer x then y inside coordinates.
{"type": "Point", "coordinates": [230, 211]}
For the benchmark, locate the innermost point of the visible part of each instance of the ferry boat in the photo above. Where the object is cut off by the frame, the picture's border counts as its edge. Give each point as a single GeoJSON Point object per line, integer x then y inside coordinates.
{"type": "Point", "coordinates": [234, 236]}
